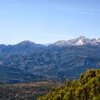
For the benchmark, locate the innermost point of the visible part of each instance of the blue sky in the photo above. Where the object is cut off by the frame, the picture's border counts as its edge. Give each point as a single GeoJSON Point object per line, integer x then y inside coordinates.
{"type": "Point", "coordinates": [46, 21]}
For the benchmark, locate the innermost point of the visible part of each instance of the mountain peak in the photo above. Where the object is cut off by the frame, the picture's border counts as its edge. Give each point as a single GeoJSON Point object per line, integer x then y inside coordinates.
{"type": "Point", "coordinates": [26, 42]}
{"type": "Point", "coordinates": [60, 43]}
{"type": "Point", "coordinates": [82, 37]}
{"type": "Point", "coordinates": [82, 40]}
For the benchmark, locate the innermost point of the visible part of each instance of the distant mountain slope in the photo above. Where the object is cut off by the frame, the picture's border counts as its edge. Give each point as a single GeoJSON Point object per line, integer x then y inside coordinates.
{"type": "Point", "coordinates": [22, 48]}
{"type": "Point", "coordinates": [28, 61]}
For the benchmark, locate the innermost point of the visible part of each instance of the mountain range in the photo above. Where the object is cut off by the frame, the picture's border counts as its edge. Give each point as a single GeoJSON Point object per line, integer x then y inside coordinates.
{"type": "Point", "coordinates": [65, 59]}
{"type": "Point", "coordinates": [79, 41]}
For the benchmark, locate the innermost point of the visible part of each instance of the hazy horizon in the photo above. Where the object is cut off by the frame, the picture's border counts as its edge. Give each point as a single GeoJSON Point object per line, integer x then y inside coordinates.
{"type": "Point", "coordinates": [48, 21]}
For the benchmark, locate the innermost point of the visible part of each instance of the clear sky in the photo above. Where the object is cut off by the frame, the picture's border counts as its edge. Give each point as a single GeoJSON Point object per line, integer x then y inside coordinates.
{"type": "Point", "coordinates": [46, 21]}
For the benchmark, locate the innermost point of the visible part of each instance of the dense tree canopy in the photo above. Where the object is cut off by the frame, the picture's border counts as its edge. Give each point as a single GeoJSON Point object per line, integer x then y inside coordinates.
{"type": "Point", "coordinates": [86, 88]}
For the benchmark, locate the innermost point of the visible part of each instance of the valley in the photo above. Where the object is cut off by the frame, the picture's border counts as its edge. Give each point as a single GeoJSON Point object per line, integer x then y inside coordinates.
{"type": "Point", "coordinates": [30, 62]}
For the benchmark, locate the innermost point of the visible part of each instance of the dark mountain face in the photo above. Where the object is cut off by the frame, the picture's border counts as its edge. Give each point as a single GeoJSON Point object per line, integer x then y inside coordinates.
{"type": "Point", "coordinates": [28, 61]}
{"type": "Point", "coordinates": [22, 48]}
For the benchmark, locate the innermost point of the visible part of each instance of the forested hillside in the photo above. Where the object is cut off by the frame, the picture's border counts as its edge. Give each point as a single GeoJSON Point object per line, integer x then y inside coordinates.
{"type": "Point", "coordinates": [28, 61]}
{"type": "Point", "coordinates": [86, 88]}
{"type": "Point", "coordinates": [25, 91]}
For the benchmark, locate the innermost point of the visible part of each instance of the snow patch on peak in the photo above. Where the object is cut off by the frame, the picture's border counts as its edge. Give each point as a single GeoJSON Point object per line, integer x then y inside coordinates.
{"type": "Point", "coordinates": [80, 42]}
{"type": "Point", "coordinates": [98, 40]}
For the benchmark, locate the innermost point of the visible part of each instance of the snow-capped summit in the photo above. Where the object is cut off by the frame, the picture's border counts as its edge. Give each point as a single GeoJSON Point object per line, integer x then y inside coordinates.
{"type": "Point", "coordinates": [82, 40]}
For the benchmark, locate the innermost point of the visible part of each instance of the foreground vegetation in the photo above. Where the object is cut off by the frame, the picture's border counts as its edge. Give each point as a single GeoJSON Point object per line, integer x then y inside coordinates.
{"type": "Point", "coordinates": [86, 88]}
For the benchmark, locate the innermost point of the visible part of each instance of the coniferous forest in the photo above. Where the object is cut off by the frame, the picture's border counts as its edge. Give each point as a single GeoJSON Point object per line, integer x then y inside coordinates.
{"type": "Point", "coordinates": [86, 88]}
